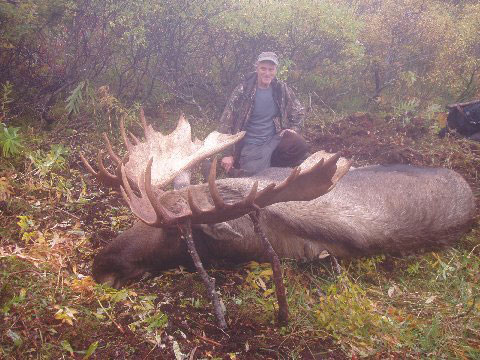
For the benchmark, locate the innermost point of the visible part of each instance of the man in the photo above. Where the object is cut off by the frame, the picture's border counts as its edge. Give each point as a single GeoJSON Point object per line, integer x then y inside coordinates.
{"type": "Point", "coordinates": [272, 117]}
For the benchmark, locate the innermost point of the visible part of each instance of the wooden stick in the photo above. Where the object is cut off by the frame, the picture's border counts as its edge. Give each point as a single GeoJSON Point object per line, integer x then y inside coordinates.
{"type": "Point", "coordinates": [186, 231]}
{"type": "Point", "coordinates": [452, 106]}
{"type": "Point", "coordinates": [338, 268]}
{"type": "Point", "coordinates": [276, 268]}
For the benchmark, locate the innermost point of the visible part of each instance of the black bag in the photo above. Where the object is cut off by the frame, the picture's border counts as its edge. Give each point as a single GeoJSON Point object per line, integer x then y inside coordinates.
{"type": "Point", "coordinates": [465, 118]}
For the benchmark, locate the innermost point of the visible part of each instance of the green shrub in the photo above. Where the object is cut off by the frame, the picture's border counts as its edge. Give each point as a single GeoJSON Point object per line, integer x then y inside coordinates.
{"type": "Point", "coordinates": [10, 141]}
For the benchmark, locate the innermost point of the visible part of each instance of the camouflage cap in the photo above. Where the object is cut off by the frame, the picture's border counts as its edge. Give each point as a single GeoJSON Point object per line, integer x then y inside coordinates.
{"type": "Point", "coordinates": [268, 56]}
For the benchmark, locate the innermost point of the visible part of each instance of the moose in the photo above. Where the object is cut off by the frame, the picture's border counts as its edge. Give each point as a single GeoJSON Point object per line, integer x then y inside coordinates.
{"type": "Point", "coordinates": [321, 206]}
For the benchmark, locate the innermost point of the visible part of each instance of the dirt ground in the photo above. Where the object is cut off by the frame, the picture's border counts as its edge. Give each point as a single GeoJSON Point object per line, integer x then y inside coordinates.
{"type": "Point", "coordinates": [251, 333]}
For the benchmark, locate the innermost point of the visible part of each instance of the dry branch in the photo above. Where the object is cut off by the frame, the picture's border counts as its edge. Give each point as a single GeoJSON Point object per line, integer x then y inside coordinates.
{"type": "Point", "coordinates": [276, 268]}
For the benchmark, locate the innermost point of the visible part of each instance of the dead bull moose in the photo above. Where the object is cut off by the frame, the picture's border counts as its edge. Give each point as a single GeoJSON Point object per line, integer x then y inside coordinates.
{"type": "Point", "coordinates": [364, 211]}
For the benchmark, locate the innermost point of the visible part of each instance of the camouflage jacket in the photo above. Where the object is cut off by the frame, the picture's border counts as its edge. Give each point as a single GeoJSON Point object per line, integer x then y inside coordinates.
{"type": "Point", "coordinates": [240, 105]}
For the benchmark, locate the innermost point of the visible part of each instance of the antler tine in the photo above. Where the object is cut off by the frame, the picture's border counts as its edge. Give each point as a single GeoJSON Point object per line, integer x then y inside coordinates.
{"type": "Point", "coordinates": [112, 154]}
{"type": "Point", "coordinates": [340, 171]}
{"type": "Point", "coordinates": [87, 165]}
{"type": "Point", "coordinates": [331, 171]}
{"type": "Point", "coordinates": [142, 119]}
{"type": "Point", "coordinates": [330, 163]}
{"type": "Point", "coordinates": [125, 188]}
{"type": "Point", "coordinates": [273, 188]}
{"type": "Point", "coordinates": [220, 211]}
{"type": "Point", "coordinates": [134, 138]}
{"type": "Point", "coordinates": [217, 198]}
{"type": "Point", "coordinates": [305, 185]}
{"type": "Point", "coordinates": [147, 128]}
{"type": "Point", "coordinates": [295, 172]}
{"type": "Point", "coordinates": [249, 200]}
{"type": "Point", "coordinates": [196, 210]}
{"type": "Point", "coordinates": [266, 190]}
{"type": "Point", "coordinates": [147, 181]}
{"type": "Point", "coordinates": [127, 142]}
{"type": "Point", "coordinates": [266, 197]}
{"type": "Point", "coordinates": [212, 186]}
{"type": "Point", "coordinates": [139, 207]}
{"type": "Point", "coordinates": [146, 207]}
{"type": "Point", "coordinates": [164, 217]}
{"type": "Point", "coordinates": [103, 174]}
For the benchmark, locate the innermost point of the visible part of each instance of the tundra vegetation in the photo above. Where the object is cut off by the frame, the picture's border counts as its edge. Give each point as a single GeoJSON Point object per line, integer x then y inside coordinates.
{"type": "Point", "coordinates": [375, 77]}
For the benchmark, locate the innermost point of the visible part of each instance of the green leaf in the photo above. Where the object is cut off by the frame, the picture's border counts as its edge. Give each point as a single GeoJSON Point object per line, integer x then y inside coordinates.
{"type": "Point", "coordinates": [17, 339]}
{"type": "Point", "coordinates": [67, 347]}
{"type": "Point", "coordinates": [10, 141]}
{"type": "Point", "coordinates": [75, 99]}
{"type": "Point", "coordinates": [120, 295]}
{"type": "Point", "coordinates": [91, 349]}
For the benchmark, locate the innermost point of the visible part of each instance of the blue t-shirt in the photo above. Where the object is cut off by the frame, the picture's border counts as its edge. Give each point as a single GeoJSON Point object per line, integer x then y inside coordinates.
{"type": "Point", "coordinates": [260, 126]}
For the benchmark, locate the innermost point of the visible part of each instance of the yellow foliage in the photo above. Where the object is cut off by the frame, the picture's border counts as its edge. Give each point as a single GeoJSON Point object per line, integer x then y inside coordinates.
{"type": "Point", "coordinates": [442, 119]}
{"type": "Point", "coordinates": [65, 314]}
{"type": "Point", "coordinates": [6, 190]}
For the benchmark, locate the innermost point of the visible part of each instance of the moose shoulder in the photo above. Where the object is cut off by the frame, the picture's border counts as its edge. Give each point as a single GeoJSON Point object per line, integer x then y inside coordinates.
{"type": "Point", "coordinates": [371, 210]}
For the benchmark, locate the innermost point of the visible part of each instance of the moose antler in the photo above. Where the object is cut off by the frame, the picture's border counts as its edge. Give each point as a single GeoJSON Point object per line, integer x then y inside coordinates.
{"type": "Point", "coordinates": [163, 209]}
{"type": "Point", "coordinates": [182, 208]}
{"type": "Point", "coordinates": [169, 156]}
{"type": "Point", "coordinates": [172, 154]}
{"type": "Point", "coordinates": [103, 175]}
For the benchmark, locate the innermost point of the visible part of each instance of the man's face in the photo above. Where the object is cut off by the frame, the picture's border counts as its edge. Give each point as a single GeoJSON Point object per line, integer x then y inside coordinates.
{"type": "Point", "coordinates": [266, 71]}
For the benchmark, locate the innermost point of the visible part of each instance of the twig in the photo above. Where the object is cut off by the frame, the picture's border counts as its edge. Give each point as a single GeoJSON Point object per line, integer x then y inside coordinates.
{"type": "Point", "coordinates": [153, 348]}
{"type": "Point", "coordinates": [206, 323]}
{"type": "Point", "coordinates": [119, 327]}
{"type": "Point", "coordinates": [469, 310]}
{"type": "Point", "coordinates": [294, 334]}
{"type": "Point", "coordinates": [192, 353]}
{"type": "Point", "coordinates": [324, 103]}
{"type": "Point", "coordinates": [186, 231]}
{"type": "Point", "coordinates": [22, 271]}
{"type": "Point", "coordinates": [338, 268]}
{"type": "Point", "coordinates": [191, 332]}
{"type": "Point", "coordinates": [213, 342]}
{"type": "Point", "coordinates": [276, 268]}
{"type": "Point", "coordinates": [69, 214]}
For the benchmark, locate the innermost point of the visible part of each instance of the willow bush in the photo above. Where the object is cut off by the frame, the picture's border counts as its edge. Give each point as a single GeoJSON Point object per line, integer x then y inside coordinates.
{"type": "Point", "coordinates": [342, 54]}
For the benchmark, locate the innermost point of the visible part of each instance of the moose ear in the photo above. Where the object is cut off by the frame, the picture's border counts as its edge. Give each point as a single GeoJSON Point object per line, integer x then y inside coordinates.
{"type": "Point", "coordinates": [221, 231]}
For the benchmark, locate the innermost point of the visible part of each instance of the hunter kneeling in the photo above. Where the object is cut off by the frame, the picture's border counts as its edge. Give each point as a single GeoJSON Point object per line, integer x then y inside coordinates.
{"type": "Point", "coordinates": [267, 109]}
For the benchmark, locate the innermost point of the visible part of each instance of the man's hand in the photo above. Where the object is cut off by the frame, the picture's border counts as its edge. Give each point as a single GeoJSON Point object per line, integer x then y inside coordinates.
{"type": "Point", "coordinates": [287, 130]}
{"type": "Point", "coordinates": [227, 163]}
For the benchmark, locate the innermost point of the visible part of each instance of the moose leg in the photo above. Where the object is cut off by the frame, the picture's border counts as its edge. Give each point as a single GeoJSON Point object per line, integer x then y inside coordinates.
{"type": "Point", "coordinates": [276, 268]}
{"type": "Point", "coordinates": [186, 231]}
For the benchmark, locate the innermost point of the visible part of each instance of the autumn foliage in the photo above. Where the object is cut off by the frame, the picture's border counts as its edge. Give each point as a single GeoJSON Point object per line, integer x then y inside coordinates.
{"type": "Point", "coordinates": [342, 54]}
